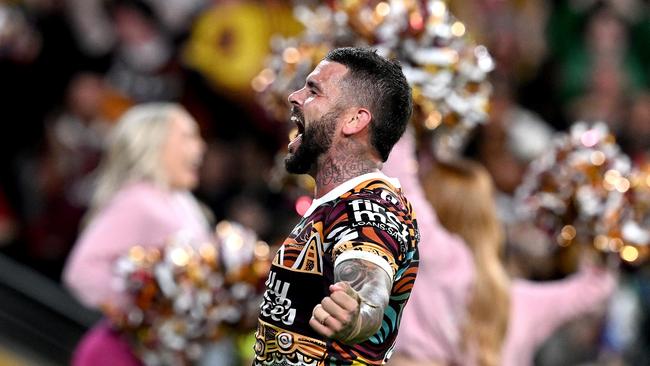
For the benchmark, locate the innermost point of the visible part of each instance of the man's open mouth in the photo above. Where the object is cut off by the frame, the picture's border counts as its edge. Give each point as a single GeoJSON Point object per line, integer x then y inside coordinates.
{"type": "Point", "coordinates": [297, 133]}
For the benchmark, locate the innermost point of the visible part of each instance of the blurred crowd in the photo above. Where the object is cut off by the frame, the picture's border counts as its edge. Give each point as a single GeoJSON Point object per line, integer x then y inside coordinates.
{"type": "Point", "coordinates": [70, 68]}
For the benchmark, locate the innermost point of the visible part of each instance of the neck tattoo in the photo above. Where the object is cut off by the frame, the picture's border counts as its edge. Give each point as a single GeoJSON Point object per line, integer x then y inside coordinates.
{"type": "Point", "coordinates": [344, 162]}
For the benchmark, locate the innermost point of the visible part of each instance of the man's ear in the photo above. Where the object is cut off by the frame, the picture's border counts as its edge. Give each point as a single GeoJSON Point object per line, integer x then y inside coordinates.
{"type": "Point", "coordinates": [357, 122]}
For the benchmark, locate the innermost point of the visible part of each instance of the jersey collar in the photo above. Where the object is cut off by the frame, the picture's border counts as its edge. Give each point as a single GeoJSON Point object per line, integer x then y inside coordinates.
{"type": "Point", "coordinates": [348, 185]}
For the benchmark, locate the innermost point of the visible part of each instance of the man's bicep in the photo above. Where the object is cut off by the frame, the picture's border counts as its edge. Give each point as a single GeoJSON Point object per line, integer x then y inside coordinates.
{"type": "Point", "coordinates": [369, 279]}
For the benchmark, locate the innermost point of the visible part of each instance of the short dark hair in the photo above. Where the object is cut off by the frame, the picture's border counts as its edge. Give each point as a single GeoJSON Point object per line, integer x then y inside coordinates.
{"type": "Point", "coordinates": [379, 85]}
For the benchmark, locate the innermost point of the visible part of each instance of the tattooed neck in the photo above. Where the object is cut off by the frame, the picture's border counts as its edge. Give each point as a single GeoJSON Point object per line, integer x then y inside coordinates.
{"type": "Point", "coordinates": [343, 162]}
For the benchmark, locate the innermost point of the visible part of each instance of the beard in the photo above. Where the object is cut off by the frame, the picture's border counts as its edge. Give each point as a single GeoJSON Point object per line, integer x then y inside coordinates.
{"type": "Point", "coordinates": [316, 140]}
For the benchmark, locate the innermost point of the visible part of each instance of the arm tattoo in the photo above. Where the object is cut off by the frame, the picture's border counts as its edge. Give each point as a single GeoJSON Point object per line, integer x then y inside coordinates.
{"type": "Point", "coordinates": [373, 285]}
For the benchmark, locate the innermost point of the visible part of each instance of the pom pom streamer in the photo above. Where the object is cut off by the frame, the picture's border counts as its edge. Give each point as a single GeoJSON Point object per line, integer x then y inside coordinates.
{"type": "Point", "coordinates": [635, 219]}
{"type": "Point", "coordinates": [187, 294]}
{"type": "Point", "coordinates": [446, 69]}
{"type": "Point", "coordinates": [585, 191]}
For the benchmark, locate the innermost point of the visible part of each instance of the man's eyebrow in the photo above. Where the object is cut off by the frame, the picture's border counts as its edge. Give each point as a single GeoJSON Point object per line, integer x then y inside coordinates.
{"type": "Point", "coordinates": [314, 85]}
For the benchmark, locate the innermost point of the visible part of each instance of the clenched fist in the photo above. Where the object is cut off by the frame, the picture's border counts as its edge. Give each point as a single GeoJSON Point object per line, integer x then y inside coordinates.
{"type": "Point", "coordinates": [337, 315]}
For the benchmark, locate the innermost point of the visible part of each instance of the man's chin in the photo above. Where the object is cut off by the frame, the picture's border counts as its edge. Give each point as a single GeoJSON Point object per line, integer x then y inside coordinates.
{"type": "Point", "coordinates": [295, 165]}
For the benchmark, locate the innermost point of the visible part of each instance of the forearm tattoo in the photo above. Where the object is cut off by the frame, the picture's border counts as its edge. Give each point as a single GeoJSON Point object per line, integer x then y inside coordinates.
{"type": "Point", "coordinates": [373, 285]}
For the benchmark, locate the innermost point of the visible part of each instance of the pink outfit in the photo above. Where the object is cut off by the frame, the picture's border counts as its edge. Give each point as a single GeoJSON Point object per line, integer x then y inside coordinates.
{"type": "Point", "coordinates": [139, 214]}
{"type": "Point", "coordinates": [430, 329]}
{"type": "Point", "coordinates": [432, 320]}
{"type": "Point", "coordinates": [102, 346]}
{"type": "Point", "coordinates": [539, 308]}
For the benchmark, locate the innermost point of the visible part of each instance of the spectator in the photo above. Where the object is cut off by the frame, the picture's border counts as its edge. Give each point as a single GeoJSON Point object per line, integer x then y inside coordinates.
{"type": "Point", "coordinates": [475, 315]}
{"type": "Point", "coordinates": [75, 139]}
{"type": "Point", "coordinates": [142, 197]}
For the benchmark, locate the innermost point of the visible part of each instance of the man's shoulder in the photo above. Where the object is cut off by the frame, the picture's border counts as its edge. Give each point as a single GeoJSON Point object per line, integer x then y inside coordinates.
{"type": "Point", "coordinates": [383, 191]}
{"type": "Point", "coordinates": [374, 191]}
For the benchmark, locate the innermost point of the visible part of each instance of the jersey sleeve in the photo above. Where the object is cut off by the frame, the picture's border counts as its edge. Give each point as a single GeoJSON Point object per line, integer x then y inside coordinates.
{"type": "Point", "coordinates": [372, 225]}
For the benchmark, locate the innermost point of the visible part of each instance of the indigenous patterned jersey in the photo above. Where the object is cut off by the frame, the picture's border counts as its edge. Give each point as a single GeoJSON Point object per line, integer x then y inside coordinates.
{"type": "Point", "coordinates": [366, 218]}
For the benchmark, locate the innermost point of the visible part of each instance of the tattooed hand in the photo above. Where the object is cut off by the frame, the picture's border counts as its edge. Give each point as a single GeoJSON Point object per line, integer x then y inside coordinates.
{"type": "Point", "coordinates": [355, 308]}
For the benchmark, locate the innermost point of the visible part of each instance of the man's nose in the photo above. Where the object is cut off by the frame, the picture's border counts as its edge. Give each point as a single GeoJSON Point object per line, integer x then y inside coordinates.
{"type": "Point", "coordinates": [295, 98]}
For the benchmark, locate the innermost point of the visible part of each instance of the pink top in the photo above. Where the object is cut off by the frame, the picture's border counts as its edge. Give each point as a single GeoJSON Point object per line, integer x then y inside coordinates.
{"type": "Point", "coordinates": [538, 309]}
{"type": "Point", "coordinates": [432, 319]}
{"type": "Point", "coordinates": [139, 214]}
{"type": "Point", "coordinates": [430, 329]}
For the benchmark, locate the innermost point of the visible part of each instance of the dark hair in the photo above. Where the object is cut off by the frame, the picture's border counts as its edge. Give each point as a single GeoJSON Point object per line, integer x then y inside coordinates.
{"type": "Point", "coordinates": [379, 85]}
